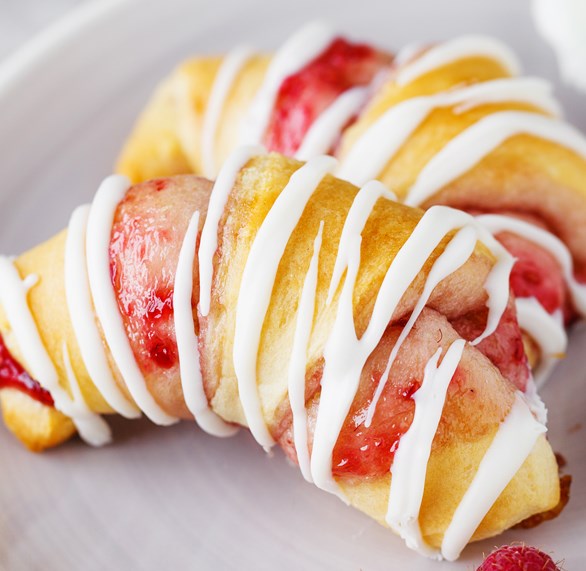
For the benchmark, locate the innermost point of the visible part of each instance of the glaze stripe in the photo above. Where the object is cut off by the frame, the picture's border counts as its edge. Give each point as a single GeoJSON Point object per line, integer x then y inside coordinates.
{"type": "Point", "coordinates": [298, 363]}
{"type": "Point", "coordinates": [229, 70]}
{"type": "Point", "coordinates": [99, 229]}
{"type": "Point", "coordinates": [298, 51]}
{"type": "Point", "coordinates": [83, 321]}
{"type": "Point", "coordinates": [387, 135]}
{"type": "Point", "coordinates": [209, 235]}
{"type": "Point", "coordinates": [499, 223]}
{"type": "Point", "coordinates": [457, 49]}
{"type": "Point", "coordinates": [546, 330]}
{"type": "Point", "coordinates": [92, 428]}
{"type": "Point", "coordinates": [455, 255]}
{"type": "Point", "coordinates": [327, 128]}
{"type": "Point", "coordinates": [511, 446]}
{"type": "Point", "coordinates": [187, 341]}
{"type": "Point", "coordinates": [409, 467]}
{"type": "Point", "coordinates": [356, 219]}
{"type": "Point", "coordinates": [257, 283]}
{"type": "Point", "coordinates": [469, 147]}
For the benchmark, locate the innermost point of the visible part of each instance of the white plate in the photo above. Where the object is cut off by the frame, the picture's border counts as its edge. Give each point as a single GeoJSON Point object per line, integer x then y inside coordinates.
{"type": "Point", "coordinates": [174, 498]}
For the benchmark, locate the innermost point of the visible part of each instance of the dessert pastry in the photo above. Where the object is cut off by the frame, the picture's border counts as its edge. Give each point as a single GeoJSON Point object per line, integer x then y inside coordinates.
{"type": "Point", "coordinates": [358, 333]}
{"type": "Point", "coordinates": [448, 124]}
{"type": "Point", "coordinates": [454, 125]}
{"type": "Point", "coordinates": [296, 103]}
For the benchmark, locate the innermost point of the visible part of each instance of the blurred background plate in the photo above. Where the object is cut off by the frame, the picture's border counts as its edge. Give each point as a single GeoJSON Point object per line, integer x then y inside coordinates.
{"type": "Point", "coordinates": [175, 498]}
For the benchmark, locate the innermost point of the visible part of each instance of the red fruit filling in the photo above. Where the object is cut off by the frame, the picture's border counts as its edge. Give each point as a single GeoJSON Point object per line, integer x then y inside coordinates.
{"type": "Point", "coordinates": [13, 375]}
{"type": "Point", "coordinates": [148, 316]}
{"type": "Point", "coordinates": [159, 311]}
{"type": "Point", "coordinates": [143, 254]}
{"type": "Point", "coordinates": [362, 451]}
{"type": "Point", "coordinates": [304, 95]}
{"type": "Point", "coordinates": [504, 347]}
{"type": "Point", "coordinates": [369, 451]}
{"type": "Point", "coordinates": [536, 273]}
{"type": "Point", "coordinates": [144, 249]}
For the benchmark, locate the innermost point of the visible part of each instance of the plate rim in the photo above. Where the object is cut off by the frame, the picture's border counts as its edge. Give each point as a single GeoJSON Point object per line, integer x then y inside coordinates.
{"type": "Point", "coordinates": [46, 44]}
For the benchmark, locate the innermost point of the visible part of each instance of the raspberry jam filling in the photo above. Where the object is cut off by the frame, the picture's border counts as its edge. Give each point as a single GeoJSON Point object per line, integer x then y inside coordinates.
{"type": "Point", "coordinates": [369, 451]}
{"type": "Point", "coordinates": [304, 95]}
{"type": "Point", "coordinates": [147, 310]}
{"type": "Point", "coordinates": [536, 273]}
{"type": "Point", "coordinates": [504, 347]}
{"type": "Point", "coordinates": [160, 348]}
{"type": "Point", "coordinates": [362, 451]}
{"type": "Point", "coordinates": [144, 249]}
{"type": "Point", "coordinates": [13, 376]}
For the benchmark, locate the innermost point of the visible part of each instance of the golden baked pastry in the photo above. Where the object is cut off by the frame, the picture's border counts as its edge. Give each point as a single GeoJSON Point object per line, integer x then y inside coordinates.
{"type": "Point", "coordinates": [377, 343]}
{"type": "Point", "coordinates": [452, 123]}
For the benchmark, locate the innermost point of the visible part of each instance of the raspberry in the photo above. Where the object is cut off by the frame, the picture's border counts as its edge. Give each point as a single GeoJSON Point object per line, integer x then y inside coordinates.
{"type": "Point", "coordinates": [518, 558]}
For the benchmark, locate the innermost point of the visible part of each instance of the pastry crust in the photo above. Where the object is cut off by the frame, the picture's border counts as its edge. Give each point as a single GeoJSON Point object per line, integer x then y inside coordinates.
{"type": "Point", "coordinates": [524, 174]}
{"type": "Point", "coordinates": [534, 489]}
{"type": "Point", "coordinates": [154, 149]}
{"type": "Point", "coordinates": [48, 306]}
{"type": "Point", "coordinates": [166, 139]}
{"type": "Point", "coordinates": [475, 405]}
{"type": "Point", "coordinates": [255, 192]}
{"type": "Point", "coordinates": [36, 425]}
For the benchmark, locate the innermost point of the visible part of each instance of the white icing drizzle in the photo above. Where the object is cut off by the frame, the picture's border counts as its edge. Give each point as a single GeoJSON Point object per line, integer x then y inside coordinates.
{"type": "Point", "coordinates": [409, 467]}
{"type": "Point", "coordinates": [382, 141]}
{"type": "Point", "coordinates": [209, 234]}
{"type": "Point", "coordinates": [536, 405]}
{"type": "Point", "coordinates": [81, 313]}
{"type": "Point", "coordinates": [345, 355]}
{"type": "Point", "coordinates": [302, 48]}
{"type": "Point", "coordinates": [92, 428]}
{"type": "Point", "coordinates": [326, 129]}
{"type": "Point", "coordinates": [257, 283]}
{"type": "Point", "coordinates": [356, 219]}
{"type": "Point", "coordinates": [456, 254]}
{"type": "Point", "coordinates": [99, 229]}
{"type": "Point", "coordinates": [534, 91]}
{"type": "Point", "coordinates": [546, 330]}
{"type": "Point", "coordinates": [508, 451]}
{"type": "Point", "coordinates": [477, 141]}
{"type": "Point", "coordinates": [298, 363]}
{"type": "Point", "coordinates": [231, 66]}
{"type": "Point", "coordinates": [457, 49]}
{"type": "Point", "coordinates": [407, 53]}
{"type": "Point", "coordinates": [187, 341]}
{"type": "Point", "coordinates": [13, 297]}
{"type": "Point", "coordinates": [498, 223]}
